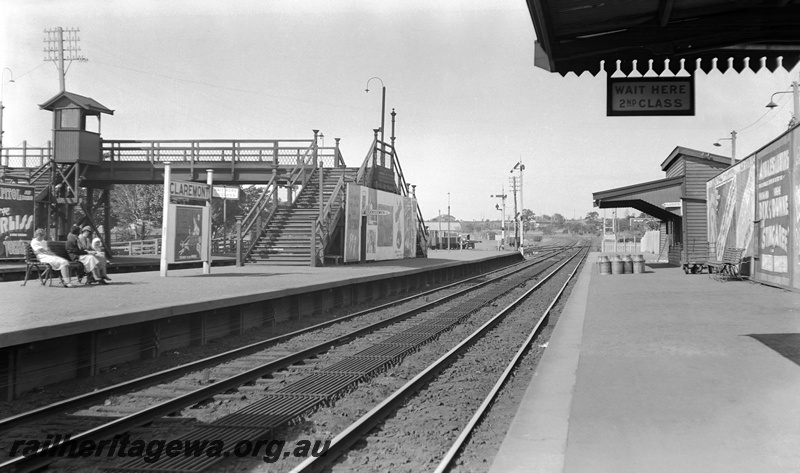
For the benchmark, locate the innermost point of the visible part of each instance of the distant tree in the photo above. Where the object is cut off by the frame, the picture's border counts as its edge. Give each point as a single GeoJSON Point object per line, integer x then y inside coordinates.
{"type": "Point", "coordinates": [592, 216]}
{"type": "Point", "coordinates": [558, 220]}
{"type": "Point", "coordinates": [138, 207]}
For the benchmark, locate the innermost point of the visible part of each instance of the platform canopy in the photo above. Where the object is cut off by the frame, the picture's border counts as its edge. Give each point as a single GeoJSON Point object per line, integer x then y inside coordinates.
{"type": "Point", "coordinates": [576, 35]}
{"type": "Point", "coordinates": [647, 197]}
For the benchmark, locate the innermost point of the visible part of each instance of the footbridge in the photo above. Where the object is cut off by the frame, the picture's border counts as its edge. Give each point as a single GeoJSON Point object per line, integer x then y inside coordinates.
{"type": "Point", "coordinates": [305, 228]}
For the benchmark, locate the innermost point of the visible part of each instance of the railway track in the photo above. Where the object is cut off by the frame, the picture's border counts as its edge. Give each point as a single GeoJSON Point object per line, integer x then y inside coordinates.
{"type": "Point", "coordinates": [246, 380]}
{"type": "Point", "coordinates": [424, 424]}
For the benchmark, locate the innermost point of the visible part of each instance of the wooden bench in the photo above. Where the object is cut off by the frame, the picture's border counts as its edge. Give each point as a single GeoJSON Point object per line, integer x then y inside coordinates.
{"type": "Point", "coordinates": [45, 271]}
{"type": "Point", "coordinates": [728, 266]}
{"type": "Point", "coordinates": [336, 259]}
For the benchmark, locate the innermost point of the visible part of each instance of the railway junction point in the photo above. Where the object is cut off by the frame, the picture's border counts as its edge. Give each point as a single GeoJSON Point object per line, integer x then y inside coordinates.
{"type": "Point", "coordinates": [663, 372]}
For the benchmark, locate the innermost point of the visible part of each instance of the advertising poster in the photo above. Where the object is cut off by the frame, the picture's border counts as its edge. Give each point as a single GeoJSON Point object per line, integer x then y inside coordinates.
{"type": "Point", "coordinates": [187, 233]}
{"type": "Point", "coordinates": [16, 218]}
{"type": "Point", "coordinates": [773, 189]}
{"type": "Point", "coordinates": [391, 229]}
{"type": "Point", "coordinates": [731, 208]}
{"type": "Point", "coordinates": [795, 208]}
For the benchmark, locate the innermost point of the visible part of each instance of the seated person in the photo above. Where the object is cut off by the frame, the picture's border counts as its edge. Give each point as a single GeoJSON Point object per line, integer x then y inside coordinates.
{"type": "Point", "coordinates": [97, 245]}
{"type": "Point", "coordinates": [43, 253]}
{"type": "Point", "coordinates": [84, 243]}
{"type": "Point", "coordinates": [90, 262]}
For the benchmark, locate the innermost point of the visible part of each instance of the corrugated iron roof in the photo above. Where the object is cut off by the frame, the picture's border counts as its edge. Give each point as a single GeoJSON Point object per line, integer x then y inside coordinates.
{"type": "Point", "coordinates": [647, 197]}
{"type": "Point", "coordinates": [579, 35]}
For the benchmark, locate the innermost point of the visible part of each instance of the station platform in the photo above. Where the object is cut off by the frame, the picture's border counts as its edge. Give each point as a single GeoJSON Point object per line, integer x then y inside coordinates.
{"type": "Point", "coordinates": [34, 312]}
{"type": "Point", "coordinates": [663, 372]}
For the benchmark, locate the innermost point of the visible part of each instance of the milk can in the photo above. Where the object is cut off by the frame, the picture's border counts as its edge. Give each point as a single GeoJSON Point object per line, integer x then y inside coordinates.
{"type": "Point", "coordinates": [638, 264]}
{"type": "Point", "coordinates": [627, 264]}
{"type": "Point", "coordinates": [616, 265]}
{"type": "Point", "coordinates": [603, 265]}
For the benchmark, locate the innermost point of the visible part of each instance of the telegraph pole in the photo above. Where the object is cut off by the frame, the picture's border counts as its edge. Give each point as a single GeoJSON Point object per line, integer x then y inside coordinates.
{"type": "Point", "coordinates": [62, 45]}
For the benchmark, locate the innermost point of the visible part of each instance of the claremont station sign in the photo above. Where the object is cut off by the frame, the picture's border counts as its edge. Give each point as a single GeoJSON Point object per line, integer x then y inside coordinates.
{"type": "Point", "coordinates": [650, 96]}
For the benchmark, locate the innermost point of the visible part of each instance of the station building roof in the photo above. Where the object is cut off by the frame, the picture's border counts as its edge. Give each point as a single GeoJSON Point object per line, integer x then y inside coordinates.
{"type": "Point", "coordinates": [647, 197]}
{"type": "Point", "coordinates": [681, 165]}
{"type": "Point", "coordinates": [682, 152]}
{"type": "Point", "coordinates": [441, 226]}
{"type": "Point", "coordinates": [577, 35]}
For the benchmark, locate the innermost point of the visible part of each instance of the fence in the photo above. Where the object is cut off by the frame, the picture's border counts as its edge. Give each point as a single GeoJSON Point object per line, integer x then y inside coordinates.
{"type": "Point", "coordinates": [625, 246]}
{"type": "Point", "coordinates": [136, 247]}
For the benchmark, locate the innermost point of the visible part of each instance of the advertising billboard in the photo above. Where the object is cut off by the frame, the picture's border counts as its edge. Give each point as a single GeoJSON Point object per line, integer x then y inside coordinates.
{"type": "Point", "coordinates": [730, 198]}
{"type": "Point", "coordinates": [386, 222]}
{"type": "Point", "coordinates": [16, 218]}
{"type": "Point", "coordinates": [773, 189]}
{"type": "Point", "coordinates": [187, 234]}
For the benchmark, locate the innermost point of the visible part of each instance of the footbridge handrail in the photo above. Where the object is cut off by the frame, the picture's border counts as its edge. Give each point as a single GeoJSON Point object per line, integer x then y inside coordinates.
{"type": "Point", "coordinates": [281, 152]}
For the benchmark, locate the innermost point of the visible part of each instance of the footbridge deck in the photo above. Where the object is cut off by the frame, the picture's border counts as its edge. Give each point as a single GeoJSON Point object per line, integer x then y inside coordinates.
{"type": "Point", "coordinates": [142, 161]}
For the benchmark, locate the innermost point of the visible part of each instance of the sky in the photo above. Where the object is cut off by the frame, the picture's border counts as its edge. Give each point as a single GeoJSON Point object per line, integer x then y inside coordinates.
{"type": "Point", "coordinates": [460, 75]}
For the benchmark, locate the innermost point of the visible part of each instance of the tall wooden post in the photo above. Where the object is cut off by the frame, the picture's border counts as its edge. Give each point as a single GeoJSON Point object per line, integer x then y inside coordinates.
{"type": "Point", "coordinates": [207, 238]}
{"type": "Point", "coordinates": [164, 224]}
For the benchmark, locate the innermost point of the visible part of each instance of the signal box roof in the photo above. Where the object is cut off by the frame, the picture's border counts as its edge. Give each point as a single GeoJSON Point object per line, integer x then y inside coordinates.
{"type": "Point", "coordinates": [65, 99]}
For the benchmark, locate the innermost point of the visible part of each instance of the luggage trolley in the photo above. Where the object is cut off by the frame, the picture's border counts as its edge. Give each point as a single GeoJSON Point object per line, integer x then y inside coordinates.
{"type": "Point", "coordinates": [695, 256]}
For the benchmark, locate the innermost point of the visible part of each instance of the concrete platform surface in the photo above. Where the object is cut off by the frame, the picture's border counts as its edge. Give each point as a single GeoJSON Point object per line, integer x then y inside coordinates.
{"type": "Point", "coordinates": [664, 372]}
{"type": "Point", "coordinates": [36, 312]}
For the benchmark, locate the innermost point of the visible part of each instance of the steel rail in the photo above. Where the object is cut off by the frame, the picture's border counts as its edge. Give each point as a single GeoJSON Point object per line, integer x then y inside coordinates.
{"type": "Point", "coordinates": [82, 400]}
{"type": "Point", "coordinates": [501, 381]}
{"type": "Point", "coordinates": [42, 456]}
{"type": "Point", "coordinates": [356, 431]}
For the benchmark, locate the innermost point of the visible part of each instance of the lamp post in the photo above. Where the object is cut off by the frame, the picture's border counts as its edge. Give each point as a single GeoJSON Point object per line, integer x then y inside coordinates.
{"type": "Point", "coordinates": [383, 108]}
{"type": "Point", "coordinates": [733, 146]}
{"type": "Point", "coordinates": [795, 100]}
{"type": "Point", "coordinates": [2, 83]}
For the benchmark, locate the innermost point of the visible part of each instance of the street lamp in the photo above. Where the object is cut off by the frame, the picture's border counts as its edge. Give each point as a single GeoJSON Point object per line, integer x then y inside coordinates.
{"type": "Point", "coordinates": [2, 83]}
{"type": "Point", "coordinates": [383, 103]}
{"type": "Point", "coordinates": [796, 100]}
{"type": "Point", "coordinates": [322, 138]}
{"type": "Point", "coordinates": [733, 146]}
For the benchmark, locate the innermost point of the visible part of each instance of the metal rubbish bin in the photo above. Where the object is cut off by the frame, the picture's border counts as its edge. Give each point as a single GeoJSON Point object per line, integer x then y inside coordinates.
{"type": "Point", "coordinates": [627, 264]}
{"type": "Point", "coordinates": [603, 265]}
{"type": "Point", "coordinates": [616, 265]}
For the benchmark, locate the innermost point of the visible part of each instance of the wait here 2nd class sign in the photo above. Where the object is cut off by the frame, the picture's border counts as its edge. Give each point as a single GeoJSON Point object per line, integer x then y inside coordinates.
{"type": "Point", "coordinates": [650, 96]}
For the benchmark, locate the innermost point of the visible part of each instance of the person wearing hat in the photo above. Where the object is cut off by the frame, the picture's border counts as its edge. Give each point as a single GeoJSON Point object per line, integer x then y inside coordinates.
{"type": "Point", "coordinates": [90, 263]}
{"type": "Point", "coordinates": [85, 243]}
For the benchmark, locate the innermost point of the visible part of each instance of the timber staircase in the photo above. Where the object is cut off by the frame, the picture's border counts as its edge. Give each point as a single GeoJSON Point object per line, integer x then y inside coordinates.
{"type": "Point", "coordinates": [287, 240]}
